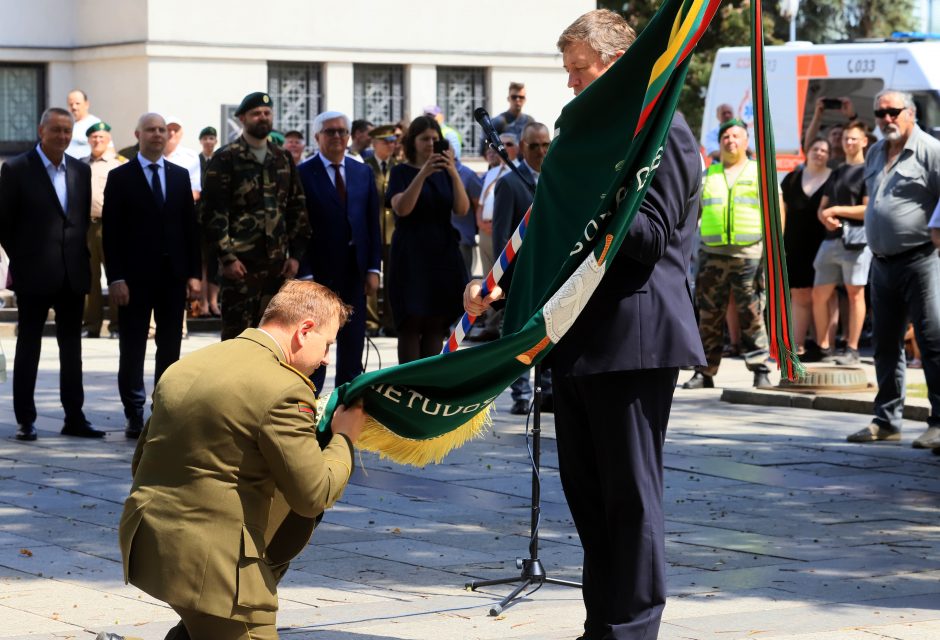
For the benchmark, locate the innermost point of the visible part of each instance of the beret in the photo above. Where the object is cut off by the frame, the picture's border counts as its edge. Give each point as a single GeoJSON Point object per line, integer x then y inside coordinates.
{"type": "Point", "coordinates": [253, 100]}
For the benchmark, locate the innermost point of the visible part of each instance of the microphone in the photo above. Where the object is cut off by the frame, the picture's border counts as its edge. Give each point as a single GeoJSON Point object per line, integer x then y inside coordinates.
{"type": "Point", "coordinates": [483, 119]}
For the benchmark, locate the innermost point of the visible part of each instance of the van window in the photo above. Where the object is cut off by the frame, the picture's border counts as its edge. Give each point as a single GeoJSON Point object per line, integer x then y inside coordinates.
{"type": "Point", "coordinates": [928, 111]}
{"type": "Point", "coordinates": [861, 91]}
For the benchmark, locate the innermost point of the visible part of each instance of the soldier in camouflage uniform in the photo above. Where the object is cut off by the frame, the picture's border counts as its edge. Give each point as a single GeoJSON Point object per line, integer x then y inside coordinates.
{"type": "Point", "coordinates": [730, 258]}
{"type": "Point", "coordinates": [254, 215]}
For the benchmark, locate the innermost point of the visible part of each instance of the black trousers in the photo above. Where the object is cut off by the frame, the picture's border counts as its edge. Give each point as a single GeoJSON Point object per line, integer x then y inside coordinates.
{"type": "Point", "coordinates": [610, 429]}
{"type": "Point", "coordinates": [32, 313]}
{"type": "Point", "coordinates": [352, 336]}
{"type": "Point", "coordinates": [166, 300]}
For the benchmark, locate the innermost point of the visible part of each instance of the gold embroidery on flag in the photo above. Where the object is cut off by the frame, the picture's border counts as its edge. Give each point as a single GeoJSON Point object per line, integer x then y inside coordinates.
{"type": "Point", "coordinates": [607, 241]}
{"type": "Point", "coordinates": [529, 356]}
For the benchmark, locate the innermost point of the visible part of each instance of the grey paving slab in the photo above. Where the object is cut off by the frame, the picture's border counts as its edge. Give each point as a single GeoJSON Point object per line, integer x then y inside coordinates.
{"type": "Point", "coordinates": [777, 528]}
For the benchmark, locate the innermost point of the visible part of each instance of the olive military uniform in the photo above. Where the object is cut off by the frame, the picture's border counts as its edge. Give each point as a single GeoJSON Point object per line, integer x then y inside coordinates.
{"type": "Point", "coordinates": [254, 212]}
{"type": "Point", "coordinates": [228, 482]}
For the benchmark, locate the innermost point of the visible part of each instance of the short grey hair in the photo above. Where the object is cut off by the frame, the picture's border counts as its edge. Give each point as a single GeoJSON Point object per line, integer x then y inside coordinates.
{"type": "Point", "coordinates": [605, 31]}
{"type": "Point", "coordinates": [509, 137]}
{"type": "Point", "coordinates": [329, 115]}
{"type": "Point", "coordinates": [54, 111]}
{"type": "Point", "coordinates": [537, 127]}
{"type": "Point", "coordinates": [905, 97]}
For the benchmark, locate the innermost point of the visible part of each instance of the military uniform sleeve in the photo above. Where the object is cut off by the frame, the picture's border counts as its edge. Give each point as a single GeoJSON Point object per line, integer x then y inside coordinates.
{"type": "Point", "coordinates": [216, 202]}
{"type": "Point", "coordinates": [298, 223]}
{"type": "Point", "coordinates": [311, 479]}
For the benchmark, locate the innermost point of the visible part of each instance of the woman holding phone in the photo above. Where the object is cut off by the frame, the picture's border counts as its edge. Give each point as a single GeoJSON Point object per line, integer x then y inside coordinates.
{"type": "Point", "coordinates": [426, 274]}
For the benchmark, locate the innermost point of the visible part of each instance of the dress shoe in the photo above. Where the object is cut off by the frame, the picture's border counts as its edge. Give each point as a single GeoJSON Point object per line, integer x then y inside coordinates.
{"type": "Point", "coordinates": [761, 380]}
{"type": "Point", "coordinates": [873, 433]}
{"type": "Point", "coordinates": [133, 427]}
{"type": "Point", "coordinates": [699, 381]}
{"type": "Point", "coordinates": [88, 333]}
{"type": "Point", "coordinates": [928, 439]}
{"type": "Point", "coordinates": [548, 404]}
{"type": "Point", "coordinates": [26, 432]}
{"type": "Point", "coordinates": [81, 430]}
{"type": "Point", "coordinates": [519, 407]}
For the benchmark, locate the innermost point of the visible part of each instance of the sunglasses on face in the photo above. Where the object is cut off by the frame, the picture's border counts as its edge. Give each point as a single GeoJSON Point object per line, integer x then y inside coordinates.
{"type": "Point", "coordinates": [516, 96]}
{"type": "Point", "coordinates": [534, 146]}
{"type": "Point", "coordinates": [329, 133]}
{"type": "Point", "coordinates": [894, 112]}
{"type": "Point", "coordinates": [509, 144]}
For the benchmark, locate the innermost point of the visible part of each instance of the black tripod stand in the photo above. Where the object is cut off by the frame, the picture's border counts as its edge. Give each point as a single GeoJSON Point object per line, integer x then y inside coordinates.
{"type": "Point", "coordinates": [533, 573]}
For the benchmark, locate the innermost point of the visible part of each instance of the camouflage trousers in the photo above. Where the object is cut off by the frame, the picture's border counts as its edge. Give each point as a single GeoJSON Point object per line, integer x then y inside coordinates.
{"type": "Point", "coordinates": [718, 277]}
{"type": "Point", "coordinates": [243, 301]}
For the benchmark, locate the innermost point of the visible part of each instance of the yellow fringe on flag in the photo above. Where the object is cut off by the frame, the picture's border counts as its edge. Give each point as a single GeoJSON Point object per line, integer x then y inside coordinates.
{"type": "Point", "coordinates": [380, 439]}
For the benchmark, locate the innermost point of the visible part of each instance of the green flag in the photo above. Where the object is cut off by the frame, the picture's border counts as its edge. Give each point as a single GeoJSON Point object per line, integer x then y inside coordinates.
{"type": "Point", "coordinates": [421, 410]}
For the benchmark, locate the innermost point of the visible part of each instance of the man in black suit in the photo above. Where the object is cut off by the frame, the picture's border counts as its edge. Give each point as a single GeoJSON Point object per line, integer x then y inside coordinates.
{"type": "Point", "coordinates": [511, 200]}
{"type": "Point", "coordinates": [615, 371]}
{"type": "Point", "coordinates": [45, 205]}
{"type": "Point", "coordinates": [152, 258]}
{"type": "Point", "coordinates": [345, 252]}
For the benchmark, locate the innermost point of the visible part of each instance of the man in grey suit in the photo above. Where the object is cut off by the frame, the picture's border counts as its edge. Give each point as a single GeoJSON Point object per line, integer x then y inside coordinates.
{"type": "Point", "coordinates": [45, 206]}
{"type": "Point", "coordinates": [512, 198]}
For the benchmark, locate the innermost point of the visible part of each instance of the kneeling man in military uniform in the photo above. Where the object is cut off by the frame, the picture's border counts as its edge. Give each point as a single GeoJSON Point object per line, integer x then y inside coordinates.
{"type": "Point", "coordinates": [229, 478]}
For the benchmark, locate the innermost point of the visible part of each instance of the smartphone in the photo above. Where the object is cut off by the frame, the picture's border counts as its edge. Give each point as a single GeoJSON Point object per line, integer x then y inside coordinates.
{"type": "Point", "coordinates": [832, 103]}
{"type": "Point", "coordinates": [440, 146]}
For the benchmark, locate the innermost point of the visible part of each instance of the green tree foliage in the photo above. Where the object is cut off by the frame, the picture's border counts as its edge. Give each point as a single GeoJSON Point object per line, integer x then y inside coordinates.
{"type": "Point", "coordinates": [818, 21]}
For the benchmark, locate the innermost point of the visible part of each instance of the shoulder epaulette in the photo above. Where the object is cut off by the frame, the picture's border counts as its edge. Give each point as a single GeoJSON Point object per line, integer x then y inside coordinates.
{"type": "Point", "coordinates": [307, 381]}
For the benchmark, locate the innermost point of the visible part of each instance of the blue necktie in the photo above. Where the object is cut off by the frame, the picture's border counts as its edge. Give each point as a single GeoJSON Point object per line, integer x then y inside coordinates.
{"type": "Point", "coordinates": [156, 186]}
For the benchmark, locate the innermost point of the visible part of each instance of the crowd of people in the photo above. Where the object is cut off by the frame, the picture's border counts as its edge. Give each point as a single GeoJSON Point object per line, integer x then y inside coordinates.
{"type": "Point", "coordinates": [381, 222]}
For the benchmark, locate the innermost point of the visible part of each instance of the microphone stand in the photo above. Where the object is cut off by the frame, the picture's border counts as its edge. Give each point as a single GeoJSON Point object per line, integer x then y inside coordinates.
{"type": "Point", "coordinates": [533, 572]}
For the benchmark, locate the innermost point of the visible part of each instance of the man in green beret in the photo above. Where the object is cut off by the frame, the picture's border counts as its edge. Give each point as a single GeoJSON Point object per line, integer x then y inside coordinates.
{"type": "Point", "coordinates": [102, 159]}
{"type": "Point", "coordinates": [384, 145]}
{"type": "Point", "coordinates": [730, 258]}
{"type": "Point", "coordinates": [208, 138]}
{"type": "Point", "coordinates": [254, 215]}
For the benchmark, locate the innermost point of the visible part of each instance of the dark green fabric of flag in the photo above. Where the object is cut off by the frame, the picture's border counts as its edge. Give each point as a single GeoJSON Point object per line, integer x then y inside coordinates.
{"type": "Point", "coordinates": [608, 143]}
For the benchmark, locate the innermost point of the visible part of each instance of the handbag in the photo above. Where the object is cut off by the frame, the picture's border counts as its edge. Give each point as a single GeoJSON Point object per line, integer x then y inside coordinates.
{"type": "Point", "coordinates": [853, 236]}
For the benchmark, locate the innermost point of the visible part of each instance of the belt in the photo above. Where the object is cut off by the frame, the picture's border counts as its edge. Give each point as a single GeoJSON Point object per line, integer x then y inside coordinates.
{"type": "Point", "coordinates": [921, 249]}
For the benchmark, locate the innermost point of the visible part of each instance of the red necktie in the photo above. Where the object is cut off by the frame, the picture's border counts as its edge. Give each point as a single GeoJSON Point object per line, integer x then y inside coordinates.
{"type": "Point", "coordinates": [340, 185]}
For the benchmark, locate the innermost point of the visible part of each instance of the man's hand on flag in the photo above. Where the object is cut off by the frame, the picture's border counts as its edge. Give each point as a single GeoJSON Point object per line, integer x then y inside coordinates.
{"type": "Point", "coordinates": [473, 303]}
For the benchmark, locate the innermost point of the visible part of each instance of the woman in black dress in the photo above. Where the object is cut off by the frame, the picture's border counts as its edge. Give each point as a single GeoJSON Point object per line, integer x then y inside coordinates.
{"type": "Point", "coordinates": [426, 274]}
{"type": "Point", "coordinates": [802, 190]}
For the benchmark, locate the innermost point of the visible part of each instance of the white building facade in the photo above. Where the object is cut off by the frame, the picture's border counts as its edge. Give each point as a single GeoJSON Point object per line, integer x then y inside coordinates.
{"type": "Point", "coordinates": [382, 60]}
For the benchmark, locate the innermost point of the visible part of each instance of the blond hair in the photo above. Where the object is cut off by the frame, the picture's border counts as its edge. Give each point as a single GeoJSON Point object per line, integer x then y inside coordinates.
{"type": "Point", "coordinates": [298, 300]}
{"type": "Point", "coordinates": [605, 31]}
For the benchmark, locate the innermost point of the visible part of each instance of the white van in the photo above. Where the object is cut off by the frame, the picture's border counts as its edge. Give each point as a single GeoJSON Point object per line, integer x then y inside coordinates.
{"type": "Point", "coordinates": [800, 72]}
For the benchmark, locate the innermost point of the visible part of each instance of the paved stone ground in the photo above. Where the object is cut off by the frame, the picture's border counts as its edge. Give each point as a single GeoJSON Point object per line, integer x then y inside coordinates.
{"type": "Point", "coordinates": [776, 528]}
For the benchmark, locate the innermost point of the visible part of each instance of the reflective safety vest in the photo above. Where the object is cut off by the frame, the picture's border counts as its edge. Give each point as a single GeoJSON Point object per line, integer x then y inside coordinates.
{"type": "Point", "coordinates": [731, 215]}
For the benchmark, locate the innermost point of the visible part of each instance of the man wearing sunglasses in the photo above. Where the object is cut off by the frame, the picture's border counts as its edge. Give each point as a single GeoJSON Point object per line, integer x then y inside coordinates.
{"type": "Point", "coordinates": [512, 120]}
{"type": "Point", "coordinates": [902, 177]}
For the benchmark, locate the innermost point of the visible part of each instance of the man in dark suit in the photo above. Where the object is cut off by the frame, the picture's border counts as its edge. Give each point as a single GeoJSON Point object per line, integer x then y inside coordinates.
{"type": "Point", "coordinates": [511, 199]}
{"type": "Point", "coordinates": [345, 251]}
{"type": "Point", "coordinates": [152, 258]}
{"type": "Point", "coordinates": [45, 204]}
{"type": "Point", "coordinates": [615, 372]}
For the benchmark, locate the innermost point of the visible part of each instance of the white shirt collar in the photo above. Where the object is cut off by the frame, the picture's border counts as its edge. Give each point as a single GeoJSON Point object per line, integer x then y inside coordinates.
{"type": "Point", "coordinates": [327, 163]}
{"type": "Point", "coordinates": [145, 162]}
{"type": "Point", "coordinates": [46, 162]}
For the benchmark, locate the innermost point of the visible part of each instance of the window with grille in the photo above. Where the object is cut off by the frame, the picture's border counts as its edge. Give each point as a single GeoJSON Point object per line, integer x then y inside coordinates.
{"type": "Point", "coordinates": [460, 90]}
{"type": "Point", "coordinates": [22, 100]}
{"type": "Point", "coordinates": [378, 93]}
{"type": "Point", "coordinates": [294, 88]}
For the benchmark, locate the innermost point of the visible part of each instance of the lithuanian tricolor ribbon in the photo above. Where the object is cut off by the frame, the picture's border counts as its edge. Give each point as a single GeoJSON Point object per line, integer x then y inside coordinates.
{"type": "Point", "coordinates": [582, 210]}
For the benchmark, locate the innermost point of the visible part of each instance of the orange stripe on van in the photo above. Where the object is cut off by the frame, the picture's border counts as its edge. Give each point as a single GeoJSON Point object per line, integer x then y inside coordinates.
{"type": "Point", "coordinates": [807, 67]}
